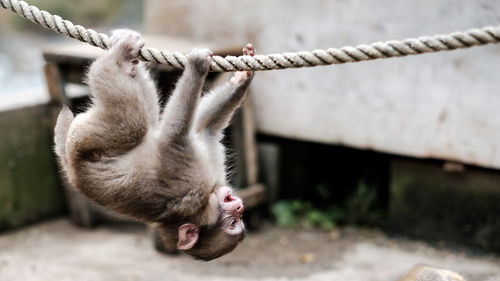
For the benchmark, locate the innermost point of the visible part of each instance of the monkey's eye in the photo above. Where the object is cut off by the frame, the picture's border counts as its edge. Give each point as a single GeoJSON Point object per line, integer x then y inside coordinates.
{"type": "Point", "coordinates": [233, 224]}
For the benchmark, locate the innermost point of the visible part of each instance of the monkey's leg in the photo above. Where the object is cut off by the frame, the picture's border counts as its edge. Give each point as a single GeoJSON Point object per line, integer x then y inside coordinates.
{"type": "Point", "coordinates": [216, 109]}
{"type": "Point", "coordinates": [118, 118]}
{"type": "Point", "coordinates": [177, 118]}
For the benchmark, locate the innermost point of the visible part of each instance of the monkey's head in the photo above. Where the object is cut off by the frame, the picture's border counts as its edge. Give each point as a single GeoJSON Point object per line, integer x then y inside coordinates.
{"type": "Point", "coordinates": [209, 241]}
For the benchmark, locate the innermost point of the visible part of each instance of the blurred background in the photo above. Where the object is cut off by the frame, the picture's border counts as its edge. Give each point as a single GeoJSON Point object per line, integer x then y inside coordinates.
{"type": "Point", "coordinates": [352, 172]}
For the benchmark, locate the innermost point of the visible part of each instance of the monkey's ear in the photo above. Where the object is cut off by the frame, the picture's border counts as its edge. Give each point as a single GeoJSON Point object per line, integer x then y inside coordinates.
{"type": "Point", "coordinates": [188, 236]}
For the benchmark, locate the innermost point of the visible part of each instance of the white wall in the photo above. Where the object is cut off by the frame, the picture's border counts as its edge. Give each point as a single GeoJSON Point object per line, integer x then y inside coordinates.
{"type": "Point", "coordinates": [443, 105]}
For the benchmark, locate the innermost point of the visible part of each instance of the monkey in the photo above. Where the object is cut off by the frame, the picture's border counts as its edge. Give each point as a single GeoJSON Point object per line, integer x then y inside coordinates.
{"type": "Point", "coordinates": [429, 273]}
{"type": "Point", "coordinates": [165, 167]}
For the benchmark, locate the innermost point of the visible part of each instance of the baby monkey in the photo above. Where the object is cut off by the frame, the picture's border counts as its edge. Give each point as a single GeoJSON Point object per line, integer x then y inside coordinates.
{"type": "Point", "coordinates": [168, 168]}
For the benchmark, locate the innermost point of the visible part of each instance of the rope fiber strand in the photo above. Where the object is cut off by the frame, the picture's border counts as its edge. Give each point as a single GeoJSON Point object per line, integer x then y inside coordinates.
{"type": "Point", "coordinates": [378, 50]}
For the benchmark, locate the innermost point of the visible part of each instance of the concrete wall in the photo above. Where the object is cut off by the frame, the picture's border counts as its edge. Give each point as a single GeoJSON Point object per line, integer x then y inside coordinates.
{"type": "Point", "coordinates": [29, 184]}
{"type": "Point", "coordinates": [427, 202]}
{"type": "Point", "coordinates": [441, 105]}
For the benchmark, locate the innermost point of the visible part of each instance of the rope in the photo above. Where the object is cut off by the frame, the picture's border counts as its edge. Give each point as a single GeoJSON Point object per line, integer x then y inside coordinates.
{"type": "Point", "coordinates": [378, 50]}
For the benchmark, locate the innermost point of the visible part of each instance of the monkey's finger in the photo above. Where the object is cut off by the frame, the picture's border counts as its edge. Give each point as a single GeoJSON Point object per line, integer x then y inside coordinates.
{"type": "Point", "coordinates": [249, 50]}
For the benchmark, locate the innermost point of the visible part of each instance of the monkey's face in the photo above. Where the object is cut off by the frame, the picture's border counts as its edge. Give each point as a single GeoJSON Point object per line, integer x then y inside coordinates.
{"type": "Point", "coordinates": [211, 240]}
{"type": "Point", "coordinates": [232, 208]}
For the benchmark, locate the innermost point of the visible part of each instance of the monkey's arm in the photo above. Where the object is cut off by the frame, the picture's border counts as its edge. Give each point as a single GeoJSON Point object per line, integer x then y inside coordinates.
{"type": "Point", "coordinates": [178, 114]}
{"type": "Point", "coordinates": [216, 109]}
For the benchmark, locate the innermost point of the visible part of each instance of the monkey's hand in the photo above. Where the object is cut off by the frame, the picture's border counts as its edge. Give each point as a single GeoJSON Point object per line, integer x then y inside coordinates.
{"type": "Point", "coordinates": [126, 44]}
{"type": "Point", "coordinates": [199, 60]}
{"type": "Point", "coordinates": [242, 76]}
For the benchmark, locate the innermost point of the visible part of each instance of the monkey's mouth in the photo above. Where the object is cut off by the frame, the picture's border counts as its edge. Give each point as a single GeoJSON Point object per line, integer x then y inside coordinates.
{"type": "Point", "coordinates": [229, 197]}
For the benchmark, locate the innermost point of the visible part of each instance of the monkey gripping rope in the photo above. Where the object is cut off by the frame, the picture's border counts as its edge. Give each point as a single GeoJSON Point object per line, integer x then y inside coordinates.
{"type": "Point", "coordinates": [378, 50]}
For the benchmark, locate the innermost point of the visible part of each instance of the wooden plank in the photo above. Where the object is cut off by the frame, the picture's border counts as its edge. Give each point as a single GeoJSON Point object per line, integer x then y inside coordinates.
{"type": "Point", "coordinates": [249, 143]}
{"type": "Point", "coordinates": [55, 83]}
{"type": "Point", "coordinates": [252, 195]}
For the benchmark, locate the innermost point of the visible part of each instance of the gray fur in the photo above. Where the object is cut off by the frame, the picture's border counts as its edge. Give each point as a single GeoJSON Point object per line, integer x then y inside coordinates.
{"type": "Point", "coordinates": [121, 154]}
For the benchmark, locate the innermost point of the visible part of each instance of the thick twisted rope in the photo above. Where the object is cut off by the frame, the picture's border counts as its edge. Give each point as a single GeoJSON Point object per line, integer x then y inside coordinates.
{"type": "Point", "coordinates": [378, 50]}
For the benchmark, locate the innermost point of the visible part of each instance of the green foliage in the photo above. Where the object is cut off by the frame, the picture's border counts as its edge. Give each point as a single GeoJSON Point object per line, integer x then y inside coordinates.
{"type": "Point", "coordinates": [298, 213]}
{"type": "Point", "coordinates": [323, 191]}
{"type": "Point", "coordinates": [284, 215]}
{"type": "Point", "coordinates": [361, 207]}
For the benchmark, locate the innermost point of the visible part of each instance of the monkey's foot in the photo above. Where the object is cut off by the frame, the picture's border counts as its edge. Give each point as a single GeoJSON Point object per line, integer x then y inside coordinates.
{"type": "Point", "coordinates": [241, 76]}
{"type": "Point", "coordinates": [127, 45]}
{"type": "Point", "coordinates": [199, 59]}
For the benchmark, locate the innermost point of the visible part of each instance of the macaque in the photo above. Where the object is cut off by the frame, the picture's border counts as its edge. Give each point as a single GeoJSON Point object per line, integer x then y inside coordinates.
{"type": "Point", "coordinates": [167, 169]}
{"type": "Point", "coordinates": [428, 273]}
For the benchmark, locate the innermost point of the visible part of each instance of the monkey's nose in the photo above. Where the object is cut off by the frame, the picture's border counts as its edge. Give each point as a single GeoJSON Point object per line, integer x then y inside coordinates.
{"type": "Point", "coordinates": [240, 209]}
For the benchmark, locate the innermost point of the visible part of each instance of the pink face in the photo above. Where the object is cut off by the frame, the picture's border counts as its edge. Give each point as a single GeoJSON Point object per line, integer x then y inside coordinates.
{"type": "Point", "coordinates": [232, 208]}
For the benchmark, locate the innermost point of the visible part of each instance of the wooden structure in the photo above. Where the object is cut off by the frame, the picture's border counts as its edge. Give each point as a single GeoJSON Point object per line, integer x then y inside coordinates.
{"type": "Point", "coordinates": [66, 66]}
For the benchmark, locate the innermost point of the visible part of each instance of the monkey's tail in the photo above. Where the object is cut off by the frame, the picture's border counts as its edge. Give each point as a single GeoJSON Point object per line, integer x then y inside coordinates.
{"type": "Point", "coordinates": [61, 133]}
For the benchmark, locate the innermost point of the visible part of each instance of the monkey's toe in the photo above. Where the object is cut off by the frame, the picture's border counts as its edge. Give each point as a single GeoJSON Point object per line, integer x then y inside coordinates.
{"type": "Point", "coordinates": [242, 76]}
{"type": "Point", "coordinates": [249, 50]}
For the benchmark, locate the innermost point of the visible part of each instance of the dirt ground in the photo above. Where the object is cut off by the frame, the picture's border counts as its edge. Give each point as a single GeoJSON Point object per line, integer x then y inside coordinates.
{"type": "Point", "coordinates": [58, 250]}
